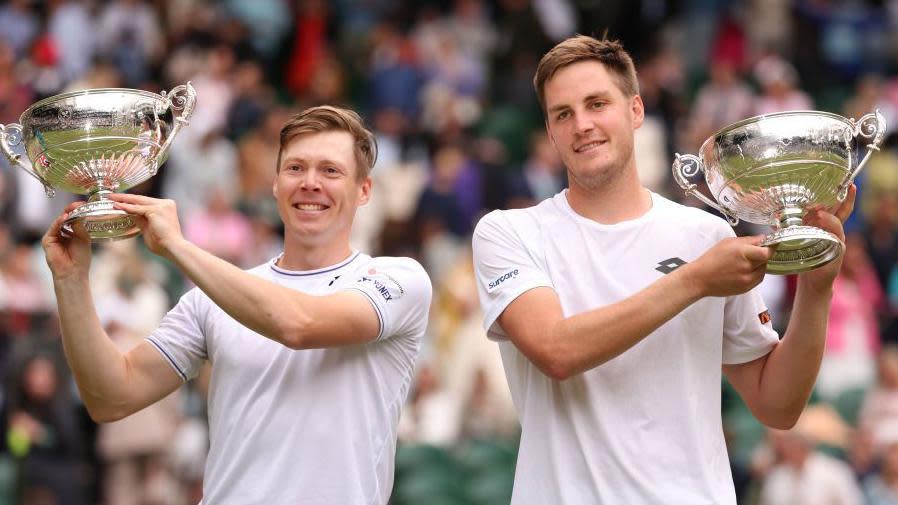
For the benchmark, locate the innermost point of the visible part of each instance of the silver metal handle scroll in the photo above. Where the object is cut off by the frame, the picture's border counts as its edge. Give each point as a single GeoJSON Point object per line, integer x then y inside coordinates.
{"type": "Point", "coordinates": [870, 126]}
{"type": "Point", "coordinates": [181, 99]}
{"type": "Point", "coordinates": [688, 165]}
{"type": "Point", "coordinates": [10, 137]}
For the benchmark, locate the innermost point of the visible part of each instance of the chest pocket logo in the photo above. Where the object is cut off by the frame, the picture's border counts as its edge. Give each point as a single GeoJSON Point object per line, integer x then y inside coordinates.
{"type": "Point", "coordinates": [669, 265]}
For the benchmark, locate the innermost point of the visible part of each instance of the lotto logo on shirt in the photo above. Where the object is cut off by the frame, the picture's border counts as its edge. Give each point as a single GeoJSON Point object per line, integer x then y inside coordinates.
{"type": "Point", "coordinates": [385, 285]}
{"type": "Point", "coordinates": [502, 278]}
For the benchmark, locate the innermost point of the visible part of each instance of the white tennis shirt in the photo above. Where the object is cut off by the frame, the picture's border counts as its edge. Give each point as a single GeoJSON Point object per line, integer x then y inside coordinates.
{"type": "Point", "coordinates": [644, 427]}
{"type": "Point", "coordinates": [311, 426]}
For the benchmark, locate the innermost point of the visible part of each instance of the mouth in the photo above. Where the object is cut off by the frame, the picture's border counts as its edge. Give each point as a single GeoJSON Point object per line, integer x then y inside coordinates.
{"type": "Point", "coordinates": [590, 146]}
{"type": "Point", "coordinates": [310, 207]}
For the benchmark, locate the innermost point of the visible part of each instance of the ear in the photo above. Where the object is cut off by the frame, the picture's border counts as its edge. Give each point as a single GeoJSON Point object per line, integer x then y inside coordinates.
{"type": "Point", "coordinates": [274, 187]}
{"type": "Point", "coordinates": [637, 108]}
{"type": "Point", "coordinates": [365, 191]}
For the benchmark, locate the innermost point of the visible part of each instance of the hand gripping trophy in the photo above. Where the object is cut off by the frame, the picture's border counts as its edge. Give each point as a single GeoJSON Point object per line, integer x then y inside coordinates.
{"type": "Point", "coordinates": [96, 142]}
{"type": "Point", "coordinates": [770, 169]}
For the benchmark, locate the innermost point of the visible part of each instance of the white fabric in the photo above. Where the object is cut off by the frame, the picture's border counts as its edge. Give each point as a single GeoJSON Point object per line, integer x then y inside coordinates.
{"type": "Point", "coordinates": [644, 427]}
{"type": "Point", "coordinates": [312, 426]}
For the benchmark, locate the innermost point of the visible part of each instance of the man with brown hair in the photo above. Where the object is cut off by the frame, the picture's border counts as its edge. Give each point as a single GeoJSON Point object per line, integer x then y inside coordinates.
{"type": "Point", "coordinates": [312, 354]}
{"type": "Point", "coordinates": [617, 311]}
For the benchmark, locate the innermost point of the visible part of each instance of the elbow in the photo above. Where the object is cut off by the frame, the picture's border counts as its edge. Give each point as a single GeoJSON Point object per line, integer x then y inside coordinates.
{"type": "Point", "coordinates": [293, 333]}
{"type": "Point", "coordinates": [784, 419]}
{"type": "Point", "coordinates": [558, 372]}
{"type": "Point", "coordinates": [781, 422]}
{"type": "Point", "coordinates": [105, 415]}
{"type": "Point", "coordinates": [556, 366]}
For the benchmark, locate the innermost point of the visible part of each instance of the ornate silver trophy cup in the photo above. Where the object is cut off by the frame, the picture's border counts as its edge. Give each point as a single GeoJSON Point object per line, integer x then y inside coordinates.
{"type": "Point", "coordinates": [771, 169]}
{"type": "Point", "coordinates": [96, 142]}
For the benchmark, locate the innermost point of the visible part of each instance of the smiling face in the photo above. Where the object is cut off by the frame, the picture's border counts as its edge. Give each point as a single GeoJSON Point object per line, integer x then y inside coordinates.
{"type": "Point", "coordinates": [591, 122]}
{"type": "Point", "coordinates": [318, 188]}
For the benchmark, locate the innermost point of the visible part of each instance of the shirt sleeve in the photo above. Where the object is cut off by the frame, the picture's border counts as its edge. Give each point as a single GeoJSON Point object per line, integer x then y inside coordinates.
{"type": "Point", "coordinates": [180, 337]}
{"type": "Point", "coordinates": [400, 291]}
{"type": "Point", "coordinates": [505, 268]}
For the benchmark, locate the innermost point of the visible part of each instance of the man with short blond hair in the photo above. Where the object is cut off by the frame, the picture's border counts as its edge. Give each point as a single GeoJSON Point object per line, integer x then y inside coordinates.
{"type": "Point", "coordinates": [312, 353]}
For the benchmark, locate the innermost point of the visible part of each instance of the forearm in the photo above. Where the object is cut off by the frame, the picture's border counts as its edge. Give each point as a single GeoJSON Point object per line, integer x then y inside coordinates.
{"type": "Point", "coordinates": [99, 368]}
{"type": "Point", "coordinates": [791, 368]}
{"type": "Point", "coordinates": [592, 338]}
{"type": "Point", "coordinates": [266, 308]}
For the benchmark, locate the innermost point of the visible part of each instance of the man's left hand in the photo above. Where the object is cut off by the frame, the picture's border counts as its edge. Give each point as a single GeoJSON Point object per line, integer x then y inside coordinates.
{"type": "Point", "coordinates": [158, 219]}
{"type": "Point", "coordinates": [831, 220]}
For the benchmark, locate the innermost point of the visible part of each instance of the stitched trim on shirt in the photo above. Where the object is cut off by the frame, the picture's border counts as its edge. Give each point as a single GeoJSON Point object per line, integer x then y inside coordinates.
{"type": "Point", "coordinates": [168, 357]}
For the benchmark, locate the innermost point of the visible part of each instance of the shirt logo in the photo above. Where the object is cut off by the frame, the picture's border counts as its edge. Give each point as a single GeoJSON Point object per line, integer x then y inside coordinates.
{"type": "Point", "coordinates": [502, 278]}
{"type": "Point", "coordinates": [384, 284]}
{"type": "Point", "coordinates": [669, 265]}
{"type": "Point", "coordinates": [764, 317]}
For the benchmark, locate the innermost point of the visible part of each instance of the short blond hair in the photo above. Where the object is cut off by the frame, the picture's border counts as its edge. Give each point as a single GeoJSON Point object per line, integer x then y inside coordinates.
{"type": "Point", "coordinates": [609, 53]}
{"type": "Point", "coordinates": [325, 118]}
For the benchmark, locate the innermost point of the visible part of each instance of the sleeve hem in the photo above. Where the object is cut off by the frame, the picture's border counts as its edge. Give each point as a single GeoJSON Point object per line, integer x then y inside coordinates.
{"type": "Point", "coordinates": [377, 310]}
{"type": "Point", "coordinates": [746, 356]}
{"type": "Point", "coordinates": [489, 319]}
{"type": "Point", "coordinates": [168, 358]}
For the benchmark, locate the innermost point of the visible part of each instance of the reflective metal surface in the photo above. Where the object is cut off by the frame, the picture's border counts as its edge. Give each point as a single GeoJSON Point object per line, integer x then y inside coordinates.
{"type": "Point", "coordinates": [98, 141]}
{"type": "Point", "coordinates": [768, 169]}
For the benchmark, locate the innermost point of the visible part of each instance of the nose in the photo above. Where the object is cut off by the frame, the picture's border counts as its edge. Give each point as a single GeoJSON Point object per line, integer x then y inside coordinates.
{"type": "Point", "coordinates": [582, 122]}
{"type": "Point", "coordinates": [310, 181]}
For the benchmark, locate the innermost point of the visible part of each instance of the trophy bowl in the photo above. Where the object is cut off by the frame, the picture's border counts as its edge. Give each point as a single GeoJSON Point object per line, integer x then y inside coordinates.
{"type": "Point", "coordinates": [96, 142]}
{"type": "Point", "coordinates": [770, 169]}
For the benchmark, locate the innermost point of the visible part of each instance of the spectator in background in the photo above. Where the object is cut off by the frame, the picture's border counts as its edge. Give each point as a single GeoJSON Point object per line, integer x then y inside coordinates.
{"type": "Point", "coordinates": [19, 26]}
{"type": "Point", "coordinates": [723, 100]}
{"type": "Point", "coordinates": [44, 436]}
{"type": "Point", "coordinates": [779, 87]}
{"type": "Point", "coordinates": [72, 37]}
{"type": "Point", "coordinates": [805, 476]}
{"type": "Point", "coordinates": [129, 35]}
{"type": "Point", "coordinates": [881, 488]}
{"type": "Point", "coordinates": [852, 336]}
{"type": "Point", "coordinates": [880, 406]}
{"type": "Point", "coordinates": [542, 173]}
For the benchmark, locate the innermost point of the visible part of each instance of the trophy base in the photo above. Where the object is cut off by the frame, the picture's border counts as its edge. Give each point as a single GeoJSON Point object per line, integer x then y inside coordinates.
{"type": "Point", "coordinates": [103, 222]}
{"type": "Point", "coordinates": [801, 248]}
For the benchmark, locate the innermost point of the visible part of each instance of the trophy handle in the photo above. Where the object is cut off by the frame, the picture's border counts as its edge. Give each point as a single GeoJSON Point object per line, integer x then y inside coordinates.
{"type": "Point", "coordinates": [688, 165]}
{"type": "Point", "coordinates": [10, 136]}
{"type": "Point", "coordinates": [181, 99]}
{"type": "Point", "coordinates": [870, 126]}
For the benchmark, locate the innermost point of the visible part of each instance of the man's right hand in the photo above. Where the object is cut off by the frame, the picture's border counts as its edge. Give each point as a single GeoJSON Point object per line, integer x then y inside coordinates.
{"type": "Point", "coordinates": [67, 257]}
{"type": "Point", "coordinates": [733, 266]}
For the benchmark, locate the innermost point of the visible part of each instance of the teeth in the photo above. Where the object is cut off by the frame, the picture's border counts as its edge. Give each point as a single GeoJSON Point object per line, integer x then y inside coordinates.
{"type": "Point", "coordinates": [588, 146]}
{"type": "Point", "coordinates": [310, 206]}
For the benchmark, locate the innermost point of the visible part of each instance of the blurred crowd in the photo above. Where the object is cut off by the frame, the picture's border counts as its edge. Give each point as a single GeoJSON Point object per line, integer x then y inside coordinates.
{"type": "Point", "coordinates": [446, 85]}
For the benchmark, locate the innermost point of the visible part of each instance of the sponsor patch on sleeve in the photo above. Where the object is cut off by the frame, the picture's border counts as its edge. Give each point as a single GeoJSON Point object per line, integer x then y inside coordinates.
{"type": "Point", "coordinates": [384, 284]}
{"type": "Point", "coordinates": [498, 281]}
{"type": "Point", "coordinates": [764, 317]}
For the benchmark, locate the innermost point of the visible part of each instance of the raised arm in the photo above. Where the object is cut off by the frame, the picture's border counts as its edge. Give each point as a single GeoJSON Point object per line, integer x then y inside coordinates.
{"type": "Point", "coordinates": [564, 346]}
{"type": "Point", "coordinates": [296, 320]}
{"type": "Point", "coordinates": [776, 387]}
{"type": "Point", "coordinates": [112, 384]}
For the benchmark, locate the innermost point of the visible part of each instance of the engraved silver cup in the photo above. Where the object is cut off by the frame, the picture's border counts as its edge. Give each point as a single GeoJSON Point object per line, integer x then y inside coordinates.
{"type": "Point", "coordinates": [770, 169]}
{"type": "Point", "coordinates": [96, 142]}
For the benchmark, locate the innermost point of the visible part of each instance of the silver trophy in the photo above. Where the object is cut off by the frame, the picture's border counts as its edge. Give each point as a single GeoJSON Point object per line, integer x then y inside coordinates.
{"type": "Point", "coordinates": [770, 169]}
{"type": "Point", "coordinates": [96, 142]}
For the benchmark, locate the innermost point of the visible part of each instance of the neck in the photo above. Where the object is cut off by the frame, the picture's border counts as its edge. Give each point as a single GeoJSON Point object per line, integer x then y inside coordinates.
{"type": "Point", "coordinates": [621, 199]}
{"type": "Point", "coordinates": [304, 256]}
